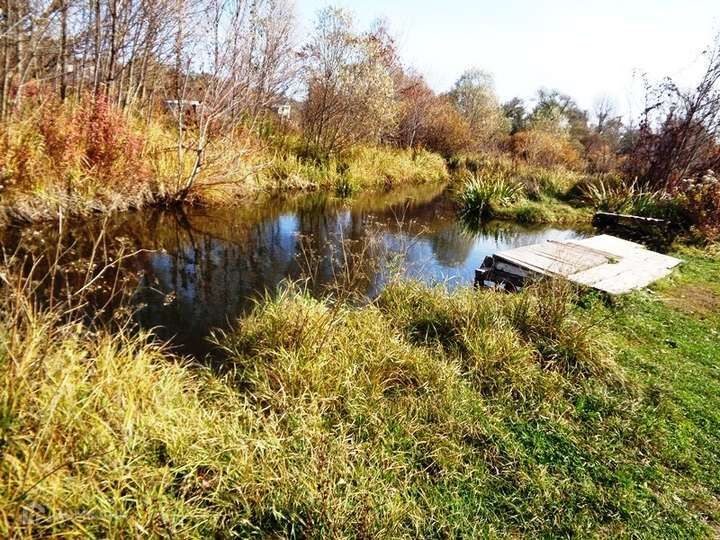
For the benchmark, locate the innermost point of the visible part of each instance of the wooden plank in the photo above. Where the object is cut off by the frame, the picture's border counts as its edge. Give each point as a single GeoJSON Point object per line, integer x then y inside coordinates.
{"type": "Point", "coordinates": [604, 219]}
{"type": "Point", "coordinates": [633, 265]}
{"type": "Point", "coordinates": [624, 248]}
{"type": "Point", "coordinates": [553, 258]}
{"type": "Point", "coordinates": [602, 262]}
{"type": "Point", "coordinates": [621, 277]}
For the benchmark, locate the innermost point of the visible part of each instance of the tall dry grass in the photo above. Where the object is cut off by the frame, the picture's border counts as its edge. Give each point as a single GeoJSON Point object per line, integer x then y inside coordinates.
{"type": "Point", "coordinates": [88, 156]}
{"type": "Point", "coordinates": [361, 168]}
{"type": "Point", "coordinates": [328, 420]}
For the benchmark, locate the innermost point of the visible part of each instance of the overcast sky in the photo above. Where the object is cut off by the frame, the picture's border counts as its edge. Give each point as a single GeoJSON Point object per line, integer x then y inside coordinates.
{"type": "Point", "coordinates": [584, 48]}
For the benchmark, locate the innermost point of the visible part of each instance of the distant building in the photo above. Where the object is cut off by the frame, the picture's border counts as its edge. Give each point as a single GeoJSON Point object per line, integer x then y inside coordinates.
{"type": "Point", "coordinates": [284, 111]}
{"type": "Point", "coordinates": [184, 105]}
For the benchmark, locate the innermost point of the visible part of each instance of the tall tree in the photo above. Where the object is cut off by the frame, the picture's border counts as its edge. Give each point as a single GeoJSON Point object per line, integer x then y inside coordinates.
{"type": "Point", "coordinates": [474, 96]}
{"type": "Point", "coordinates": [349, 84]}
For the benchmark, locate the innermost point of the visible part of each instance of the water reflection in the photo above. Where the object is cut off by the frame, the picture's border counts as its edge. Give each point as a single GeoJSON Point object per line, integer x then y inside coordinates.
{"type": "Point", "coordinates": [203, 268]}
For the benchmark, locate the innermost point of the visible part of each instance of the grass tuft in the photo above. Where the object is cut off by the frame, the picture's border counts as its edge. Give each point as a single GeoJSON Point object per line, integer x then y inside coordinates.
{"type": "Point", "coordinates": [479, 196]}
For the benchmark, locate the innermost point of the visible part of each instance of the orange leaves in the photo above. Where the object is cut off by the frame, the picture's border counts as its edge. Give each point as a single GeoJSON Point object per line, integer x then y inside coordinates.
{"type": "Point", "coordinates": [546, 148]}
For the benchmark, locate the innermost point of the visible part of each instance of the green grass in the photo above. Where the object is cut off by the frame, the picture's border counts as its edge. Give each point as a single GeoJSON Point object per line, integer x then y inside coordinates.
{"type": "Point", "coordinates": [362, 168]}
{"type": "Point", "coordinates": [545, 211]}
{"type": "Point", "coordinates": [668, 342]}
{"type": "Point", "coordinates": [494, 187]}
{"type": "Point", "coordinates": [425, 413]}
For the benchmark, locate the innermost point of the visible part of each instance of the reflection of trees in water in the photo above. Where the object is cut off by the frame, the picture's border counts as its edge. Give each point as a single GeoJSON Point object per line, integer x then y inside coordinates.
{"type": "Point", "coordinates": [214, 273]}
{"type": "Point", "coordinates": [64, 258]}
{"type": "Point", "coordinates": [433, 222]}
{"type": "Point", "coordinates": [450, 247]}
{"type": "Point", "coordinates": [504, 232]}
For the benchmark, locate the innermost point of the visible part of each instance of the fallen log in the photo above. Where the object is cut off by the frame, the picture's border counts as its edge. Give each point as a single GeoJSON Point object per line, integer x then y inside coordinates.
{"type": "Point", "coordinates": [655, 232]}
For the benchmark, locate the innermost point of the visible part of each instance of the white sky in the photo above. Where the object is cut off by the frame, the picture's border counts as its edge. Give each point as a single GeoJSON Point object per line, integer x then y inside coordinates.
{"type": "Point", "coordinates": [584, 48]}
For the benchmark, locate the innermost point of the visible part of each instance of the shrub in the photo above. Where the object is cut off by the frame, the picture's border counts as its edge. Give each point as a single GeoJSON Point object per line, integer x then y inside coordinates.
{"type": "Point", "coordinates": [350, 90]}
{"type": "Point", "coordinates": [93, 137]}
{"type": "Point", "coordinates": [447, 132]}
{"type": "Point", "coordinates": [22, 154]}
{"type": "Point", "coordinates": [602, 155]}
{"type": "Point", "coordinates": [700, 200]}
{"type": "Point", "coordinates": [474, 97]}
{"type": "Point", "coordinates": [546, 149]}
{"type": "Point", "coordinates": [694, 204]}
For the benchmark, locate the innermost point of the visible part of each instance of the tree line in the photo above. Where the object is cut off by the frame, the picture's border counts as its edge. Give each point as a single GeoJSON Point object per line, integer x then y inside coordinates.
{"type": "Point", "coordinates": [240, 59]}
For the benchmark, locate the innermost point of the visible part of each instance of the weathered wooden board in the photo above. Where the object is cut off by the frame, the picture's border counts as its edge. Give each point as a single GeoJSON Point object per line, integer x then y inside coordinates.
{"type": "Point", "coordinates": [602, 262]}
{"type": "Point", "coordinates": [551, 257]}
{"type": "Point", "coordinates": [632, 266]}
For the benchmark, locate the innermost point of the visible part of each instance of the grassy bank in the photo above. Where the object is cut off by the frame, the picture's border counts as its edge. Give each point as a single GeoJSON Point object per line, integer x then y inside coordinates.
{"type": "Point", "coordinates": [89, 157]}
{"type": "Point", "coordinates": [423, 414]}
{"type": "Point", "coordinates": [378, 168]}
{"type": "Point", "coordinates": [497, 187]}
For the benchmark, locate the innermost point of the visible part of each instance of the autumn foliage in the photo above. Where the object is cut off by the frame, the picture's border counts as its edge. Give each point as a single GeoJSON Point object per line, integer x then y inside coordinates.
{"type": "Point", "coordinates": [85, 153]}
{"type": "Point", "coordinates": [546, 149]}
{"type": "Point", "coordinates": [90, 140]}
{"type": "Point", "coordinates": [701, 201]}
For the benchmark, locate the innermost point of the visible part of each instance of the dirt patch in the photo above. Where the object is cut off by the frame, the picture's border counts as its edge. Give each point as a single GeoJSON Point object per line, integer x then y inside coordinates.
{"type": "Point", "coordinates": [694, 300]}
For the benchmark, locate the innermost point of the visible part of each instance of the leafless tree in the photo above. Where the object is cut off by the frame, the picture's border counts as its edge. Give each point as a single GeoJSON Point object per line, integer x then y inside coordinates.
{"type": "Point", "coordinates": [680, 130]}
{"type": "Point", "coordinates": [236, 76]}
{"type": "Point", "coordinates": [235, 58]}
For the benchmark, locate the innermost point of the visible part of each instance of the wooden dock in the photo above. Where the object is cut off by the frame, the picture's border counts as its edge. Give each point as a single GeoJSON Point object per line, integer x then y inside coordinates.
{"type": "Point", "coordinates": [604, 262]}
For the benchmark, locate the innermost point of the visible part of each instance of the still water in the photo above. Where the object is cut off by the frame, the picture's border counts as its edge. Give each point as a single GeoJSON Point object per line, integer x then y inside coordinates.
{"type": "Point", "coordinates": [201, 269]}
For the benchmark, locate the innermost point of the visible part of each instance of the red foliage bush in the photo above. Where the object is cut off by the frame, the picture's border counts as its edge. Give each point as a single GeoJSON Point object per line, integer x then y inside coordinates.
{"type": "Point", "coordinates": [59, 136]}
{"type": "Point", "coordinates": [94, 137]}
{"type": "Point", "coordinates": [86, 150]}
{"type": "Point", "coordinates": [106, 138]}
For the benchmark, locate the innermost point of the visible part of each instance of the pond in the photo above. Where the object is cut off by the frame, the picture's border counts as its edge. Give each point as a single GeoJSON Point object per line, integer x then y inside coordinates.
{"type": "Point", "coordinates": [201, 269]}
